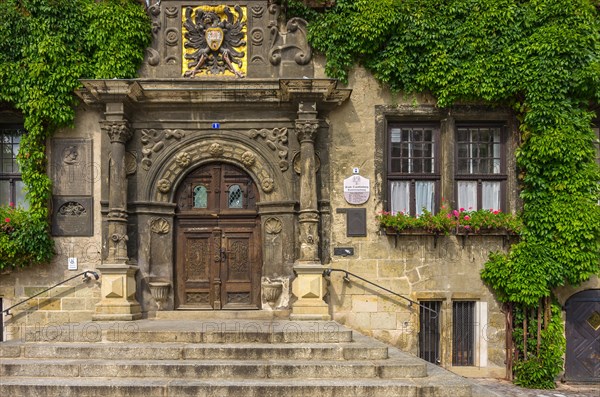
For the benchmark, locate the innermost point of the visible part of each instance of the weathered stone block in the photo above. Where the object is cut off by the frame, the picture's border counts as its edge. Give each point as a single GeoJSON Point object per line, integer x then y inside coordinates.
{"type": "Point", "coordinates": [364, 303]}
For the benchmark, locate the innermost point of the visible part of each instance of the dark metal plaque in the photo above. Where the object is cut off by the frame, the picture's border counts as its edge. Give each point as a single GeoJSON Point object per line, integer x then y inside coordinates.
{"type": "Point", "coordinates": [72, 168]}
{"type": "Point", "coordinates": [72, 216]}
{"type": "Point", "coordinates": [356, 221]}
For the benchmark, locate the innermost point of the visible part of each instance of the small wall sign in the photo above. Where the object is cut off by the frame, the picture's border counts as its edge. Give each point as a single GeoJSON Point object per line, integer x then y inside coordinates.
{"type": "Point", "coordinates": [357, 189]}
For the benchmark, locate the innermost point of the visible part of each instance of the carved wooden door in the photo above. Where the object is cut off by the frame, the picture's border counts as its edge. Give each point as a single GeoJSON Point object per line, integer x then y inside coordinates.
{"type": "Point", "coordinates": [583, 337]}
{"type": "Point", "coordinates": [218, 252]}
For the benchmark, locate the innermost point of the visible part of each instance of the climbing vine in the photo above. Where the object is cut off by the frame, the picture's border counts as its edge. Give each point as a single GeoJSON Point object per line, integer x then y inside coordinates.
{"type": "Point", "coordinates": [46, 46]}
{"type": "Point", "coordinates": [539, 57]}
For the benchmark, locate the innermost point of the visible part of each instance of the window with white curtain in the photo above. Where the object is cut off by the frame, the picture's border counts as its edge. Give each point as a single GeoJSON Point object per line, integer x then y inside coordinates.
{"type": "Point", "coordinates": [480, 167]}
{"type": "Point", "coordinates": [12, 189]}
{"type": "Point", "coordinates": [413, 175]}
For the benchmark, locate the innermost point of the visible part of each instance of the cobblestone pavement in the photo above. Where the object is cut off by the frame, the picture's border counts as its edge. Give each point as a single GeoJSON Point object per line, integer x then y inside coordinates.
{"type": "Point", "coordinates": [505, 388]}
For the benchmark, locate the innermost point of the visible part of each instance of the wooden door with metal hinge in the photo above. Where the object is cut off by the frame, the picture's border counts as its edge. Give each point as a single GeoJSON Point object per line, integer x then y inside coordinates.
{"type": "Point", "coordinates": [218, 254]}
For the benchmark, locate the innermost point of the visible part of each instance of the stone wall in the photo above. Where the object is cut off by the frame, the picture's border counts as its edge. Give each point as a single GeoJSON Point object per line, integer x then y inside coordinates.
{"type": "Point", "coordinates": [74, 301]}
{"type": "Point", "coordinates": [419, 267]}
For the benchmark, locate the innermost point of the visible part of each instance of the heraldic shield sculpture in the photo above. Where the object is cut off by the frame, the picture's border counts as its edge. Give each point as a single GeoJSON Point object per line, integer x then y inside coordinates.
{"type": "Point", "coordinates": [214, 40]}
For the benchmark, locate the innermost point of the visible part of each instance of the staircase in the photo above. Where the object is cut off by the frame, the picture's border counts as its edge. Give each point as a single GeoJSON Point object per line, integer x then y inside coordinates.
{"type": "Point", "coordinates": [233, 357]}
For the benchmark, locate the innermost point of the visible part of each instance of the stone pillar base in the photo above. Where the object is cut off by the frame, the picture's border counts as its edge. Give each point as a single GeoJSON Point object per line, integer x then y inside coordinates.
{"type": "Point", "coordinates": [118, 294]}
{"type": "Point", "coordinates": [309, 287]}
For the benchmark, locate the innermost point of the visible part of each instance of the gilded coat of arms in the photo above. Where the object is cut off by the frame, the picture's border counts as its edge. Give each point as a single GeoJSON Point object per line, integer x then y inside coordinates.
{"type": "Point", "coordinates": [213, 42]}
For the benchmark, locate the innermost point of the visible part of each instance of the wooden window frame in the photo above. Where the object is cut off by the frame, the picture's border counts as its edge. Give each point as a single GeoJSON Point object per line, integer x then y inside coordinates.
{"type": "Point", "coordinates": [11, 177]}
{"type": "Point", "coordinates": [413, 177]}
{"type": "Point", "coordinates": [480, 178]}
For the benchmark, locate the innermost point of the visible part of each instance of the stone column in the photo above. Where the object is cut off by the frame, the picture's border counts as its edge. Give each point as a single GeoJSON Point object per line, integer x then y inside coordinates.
{"type": "Point", "coordinates": [118, 276]}
{"type": "Point", "coordinates": [309, 286]}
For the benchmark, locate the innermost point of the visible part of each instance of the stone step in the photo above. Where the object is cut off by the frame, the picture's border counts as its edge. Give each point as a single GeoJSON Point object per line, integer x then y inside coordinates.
{"type": "Point", "coordinates": [183, 351]}
{"type": "Point", "coordinates": [185, 315]}
{"type": "Point", "coordinates": [128, 387]}
{"type": "Point", "coordinates": [208, 369]}
{"type": "Point", "coordinates": [193, 331]}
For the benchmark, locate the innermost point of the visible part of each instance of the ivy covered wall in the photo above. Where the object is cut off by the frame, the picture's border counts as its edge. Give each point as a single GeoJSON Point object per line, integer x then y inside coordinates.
{"type": "Point", "coordinates": [542, 59]}
{"type": "Point", "coordinates": [46, 46]}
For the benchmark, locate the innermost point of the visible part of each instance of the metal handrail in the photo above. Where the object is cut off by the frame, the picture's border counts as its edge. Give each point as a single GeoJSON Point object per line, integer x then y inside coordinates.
{"type": "Point", "coordinates": [327, 273]}
{"type": "Point", "coordinates": [85, 279]}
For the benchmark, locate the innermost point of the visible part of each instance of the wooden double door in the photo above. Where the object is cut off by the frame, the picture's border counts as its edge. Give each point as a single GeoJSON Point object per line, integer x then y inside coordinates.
{"type": "Point", "coordinates": [218, 250]}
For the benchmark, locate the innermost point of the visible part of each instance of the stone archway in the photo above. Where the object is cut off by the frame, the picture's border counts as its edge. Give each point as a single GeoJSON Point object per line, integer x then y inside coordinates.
{"type": "Point", "coordinates": [218, 261]}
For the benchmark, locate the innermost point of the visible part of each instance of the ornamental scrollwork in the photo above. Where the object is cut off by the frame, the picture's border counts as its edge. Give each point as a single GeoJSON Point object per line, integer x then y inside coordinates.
{"type": "Point", "coordinates": [153, 141]}
{"type": "Point", "coordinates": [294, 41]}
{"type": "Point", "coordinates": [277, 140]}
{"type": "Point", "coordinates": [216, 41]}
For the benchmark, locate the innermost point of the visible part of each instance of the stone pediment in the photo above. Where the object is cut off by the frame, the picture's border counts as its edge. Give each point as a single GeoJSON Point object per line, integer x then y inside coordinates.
{"type": "Point", "coordinates": [193, 91]}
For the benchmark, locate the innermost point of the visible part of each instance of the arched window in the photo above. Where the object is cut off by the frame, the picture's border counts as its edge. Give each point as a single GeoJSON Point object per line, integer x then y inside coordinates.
{"type": "Point", "coordinates": [235, 198]}
{"type": "Point", "coordinates": [200, 196]}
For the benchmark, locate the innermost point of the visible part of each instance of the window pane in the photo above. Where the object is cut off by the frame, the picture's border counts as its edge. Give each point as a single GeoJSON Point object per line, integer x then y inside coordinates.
{"type": "Point", "coordinates": [478, 150]}
{"type": "Point", "coordinates": [200, 197]}
{"type": "Point", "coordinates": [395, 133]}
{"type": "Point", "coordinates": [490, 193]}
{"type": "Point", "coordinates": [467, 194]}
{"type": "Point", "coordinates": [20, 191]}
{"type": "Point", "coordinates": [399, 196]}
{"type": "Point", "coordinates": [396, 165]}
{"type": "Point", "coordinates": [425, 196]}
{"type": "Point", "coordinates": [235, 197]}
{"type": "Point", "coordinates": [4, 193]}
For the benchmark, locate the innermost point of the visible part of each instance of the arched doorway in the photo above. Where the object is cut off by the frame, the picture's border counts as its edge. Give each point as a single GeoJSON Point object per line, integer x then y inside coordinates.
{"type": "Point", "coordinates": [583, 337]}
{"type": "Point", "coordinates": [218, 250]}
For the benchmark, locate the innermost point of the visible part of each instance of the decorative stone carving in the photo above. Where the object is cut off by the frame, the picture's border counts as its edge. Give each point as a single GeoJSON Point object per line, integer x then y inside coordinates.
{"type": "Point", "coordinates": [267, 185]}
{"type": "Point", "coordinates": [258, 11]}
{"type": "Point", "coordinates": [216, 150]}
{"type": "Point", "coordinates": [118, 131]}
{"type": "Point", "coordinates": [248, 158]}
{"type": "Point", "coordinates": [277, 140]}
{"type": "Point", "coordinates": [273, 226]}
{"type": "Point", "coordinates": [216, 41]}
{"type": "Point", "coordinates": [153, 141]}
{"type": "Point", "coordinates": [130, 163]}
{"type": "Point", "coordinates": [183, 159]}
{"type": "Point", "coordinates": [72, 216]}
{"type": "Point", "coordinates": [257, 36]}
{"type": "Point", "coordinates": [172, 36]}
{"type": "Point", "coordinates": [306, 130]}
{"type": "Point", "coordinates": [296, 163]}
{"type": "Point", "coordinates": [171, 12]}
{"type": "Point", "coordinates": [73, 169]}
{"type": "Point", "coordinates": [275, 292]}
{"type": "Point", "coordinates": [159, 226]}
{"type": "Point", "coordinates": [294, 40]}
{"type": "Point", "coordinates": [119, 245]}
{"type": "Point", "coordinates": [271, 291]}
{"type": "Point", "coordinates": [152, 56]}
{"type": "Point", "coordinates": [72, 208]}
{"type": "Point", "coordinates": [160, 292]}
{"type": "Point", "coordinates": [164, 185]}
